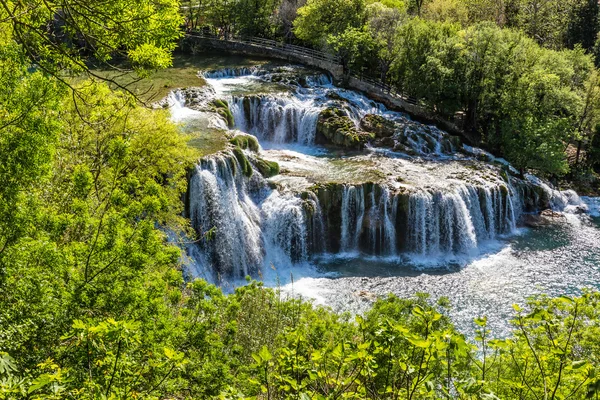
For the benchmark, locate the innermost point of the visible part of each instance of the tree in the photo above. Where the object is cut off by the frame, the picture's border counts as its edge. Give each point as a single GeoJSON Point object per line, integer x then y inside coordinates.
{"type": "Point", "coordinates": [254, 17]}
{"type": "Point", "coordinates": [355, 47]}
{"type": "Point", "coordinates": [63, 35]}
{"type": "Point", "coordinates": [28, 130]}
{"type": "Point", "coordinates": [416, 6]}
{"type": "Point", "coordinates": [583, 25]}
{"type": "Point", "coordinates": [545, 21]}
{"type": "Point", "coordinates": [452, 11]}
{"type": "Point", "coordinates": [534, 133]}
{"type": "Point", "coordinates": [286, 14]}
{"type": "Point", "coordinates": [588, 113]}
{"type": "Point", "coordinates": [424, 63]}
{"type": "Point", "coordinates": [320, 19]}
{"type": "Point", "coordinates": [383, 22]}
{"type": "Point", "coordinates": [486, 10]}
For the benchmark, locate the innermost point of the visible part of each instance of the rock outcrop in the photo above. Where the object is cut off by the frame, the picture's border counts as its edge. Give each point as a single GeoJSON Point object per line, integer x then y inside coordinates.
{"type": "Point", "coordinates": [334, 126]}
{"type": "Point", "coordinates": [378, 125]}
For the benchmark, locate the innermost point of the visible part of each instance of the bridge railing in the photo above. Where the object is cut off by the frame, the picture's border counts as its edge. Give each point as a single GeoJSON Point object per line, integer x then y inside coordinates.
{"type": "Point", "coordinates": [311, 53]}
{"type": "Point", "coordinates": [385, 88]}
{"type": "Point", "coordinates": [273, 44]}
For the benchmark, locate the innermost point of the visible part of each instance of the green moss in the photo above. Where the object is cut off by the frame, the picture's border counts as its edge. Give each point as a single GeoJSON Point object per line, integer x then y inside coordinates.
{"type": "Point", "coordinates": [208, 142]}
{"type": "Point", "coordinates": [378, 125]}
{"type": "Point", "coordinates": [246, 142]}
{"type": "Point", "coordinates": [221, 107]}
{"type": "Point", "coordinates": [504, 174]}
{"type": "Point", "coordinates": [337, 128]}
{"type": "Point", "coordinates": [267, 168]}
{"type": "Point", "coordinates": [243, 161]}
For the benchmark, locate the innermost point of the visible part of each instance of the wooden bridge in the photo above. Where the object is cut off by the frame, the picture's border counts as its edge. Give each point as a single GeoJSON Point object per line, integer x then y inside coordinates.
{"type": "Point", "coordinates": [373, 88]}
{"type": "Point", "coordinates": [269, 48]}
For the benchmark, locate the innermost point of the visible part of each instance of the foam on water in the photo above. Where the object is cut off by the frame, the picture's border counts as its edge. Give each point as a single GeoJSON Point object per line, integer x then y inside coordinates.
{"type": "Point", "coordinates": [430, 220]}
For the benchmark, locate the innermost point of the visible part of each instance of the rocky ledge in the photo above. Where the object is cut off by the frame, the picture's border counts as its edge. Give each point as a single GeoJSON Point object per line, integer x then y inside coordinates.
{"type": "Point", "coordinates": [334, 126]}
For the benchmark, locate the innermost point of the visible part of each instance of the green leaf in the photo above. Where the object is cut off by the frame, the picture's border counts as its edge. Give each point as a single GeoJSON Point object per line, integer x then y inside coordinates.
{"type": "Point", "coordinates": [264, 354]}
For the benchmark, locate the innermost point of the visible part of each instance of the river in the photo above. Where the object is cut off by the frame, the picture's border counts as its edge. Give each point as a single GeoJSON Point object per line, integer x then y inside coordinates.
{"type": "Point", "coordinates": [419, 212]}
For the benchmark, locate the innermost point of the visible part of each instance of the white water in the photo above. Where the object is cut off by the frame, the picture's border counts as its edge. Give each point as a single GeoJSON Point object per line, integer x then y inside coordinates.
{"type": "Point", "coordinates": [396, 213]}
{"type": "Point", "coordinates": [276, 119]}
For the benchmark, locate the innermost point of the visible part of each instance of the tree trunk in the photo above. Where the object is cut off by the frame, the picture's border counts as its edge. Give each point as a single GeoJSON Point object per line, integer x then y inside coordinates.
{"type": "Point", "coordinates": [577, 155]}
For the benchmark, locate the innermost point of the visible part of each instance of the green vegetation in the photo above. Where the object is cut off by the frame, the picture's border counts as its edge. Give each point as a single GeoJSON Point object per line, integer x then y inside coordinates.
{"type": "Point", "coordinates": [246, 142]}
{"type": "Point", "coordinates": [267, 168]}
{"type": "Point", "coordinates": [517, 76]}
{"type": "Point", "coordinates": [253, 343]}
{"type": "Point", "coordinates": [243, 161]}
{"type": "Point", "coordinates": [221, 107]}
{"type": "Point", "coordinates": [334, 126]}
{"type": "Point", "coordinates": [183, 73]}
{"type": "Point", "coordinates": [208, 141]}
{"type": "Point", "coordinates": [93, 301]}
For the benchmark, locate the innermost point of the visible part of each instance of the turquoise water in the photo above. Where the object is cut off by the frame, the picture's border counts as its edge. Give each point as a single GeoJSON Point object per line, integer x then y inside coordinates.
{"type": "Point", "coordinates": [552, 260]}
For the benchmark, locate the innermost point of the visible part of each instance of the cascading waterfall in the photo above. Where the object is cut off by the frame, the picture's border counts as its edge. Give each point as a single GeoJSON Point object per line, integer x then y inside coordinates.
{"type": "Point", "coordinates": [317, 224]}
{"type": "Point", "coordinates": [319, 80]}
{"type": "Point", "coordinates": [368, 221]}
{"type": "Point", "coordinates": [251, 225]}
{"type": "Point", "coordinates": [353, 212]}
{"type": "Point", "coordinates": [245, 224]}
{"type": "Point", "coordinates": [219, 201]}
{"type": "Point", "coordinates": [285, 228]}
{"type": "Point", "coordinates": [381, 224]}
{"type": "Point", "coordinates": [457, 221]}
{"type": "Point", "coordinates": [276, 119]}
{"type": "Point", "coordinates": [231, 72]}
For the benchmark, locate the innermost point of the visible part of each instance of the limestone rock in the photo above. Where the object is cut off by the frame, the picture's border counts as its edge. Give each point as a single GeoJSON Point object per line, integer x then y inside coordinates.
{"type": "Point", "coordinates": [545, 218]}
{"type": "Point", "coordinates": [380, 126]}
{"type": "Point", "coordinates": [335, 126]}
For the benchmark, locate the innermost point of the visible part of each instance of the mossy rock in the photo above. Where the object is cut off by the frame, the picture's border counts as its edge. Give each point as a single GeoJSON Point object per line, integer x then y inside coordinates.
{"type": "Point", "coordinates": [381, 127]}
{"type": "Point", "coordinates": [266, 168]}
{"type": "Point", "coordinates": [246, 142]}
{"type": "Point", "coordinates": [243, 161]}
{"type": "Point", "coordinates": [335, 127]}
{"type": "Point", "coordinates": [335, 96]}
{"type": "Point", "coordinates": [221, 107]}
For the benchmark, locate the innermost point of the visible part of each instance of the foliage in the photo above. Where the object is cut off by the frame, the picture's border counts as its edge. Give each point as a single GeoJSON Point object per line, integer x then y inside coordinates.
{"type": "Point", "coordinates": [320, 19]}
{"type": "Point", "coordinates": [406, 349]}
{"type": "Point", "coordinates": [518, 99]}
{"type": "Point", "coordinates": [93, 300]}
{"type": "Point", "coordinates": [59, 35]}
{"type": "Point", "coordinates": [356, 49]}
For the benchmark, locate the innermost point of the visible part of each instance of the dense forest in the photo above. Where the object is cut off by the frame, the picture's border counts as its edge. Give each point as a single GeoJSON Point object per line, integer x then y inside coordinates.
{"type": "Point", "coordinates": [94, 300]}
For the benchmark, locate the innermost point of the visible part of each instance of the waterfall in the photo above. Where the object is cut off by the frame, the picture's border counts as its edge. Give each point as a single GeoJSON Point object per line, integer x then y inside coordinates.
{"type": "Point", "coordinates": [319, 80]}
{"type": "Point", "coordinates": [179, 112]}
{"type": "Point", "coordinates": [317, 224]}
{"type": "Point", "coordinates": [382, 225]}
{"type": "Point", "coordinates": [443, 207]}
{"type": "Point", "coordinates": [557, 200]}
{"type": "Point", "coordinates": [276, 119]}
{"type": "Point", "coordinates": [231, 72]}
{"type": "Point", "coordinates": [457, 221]}
{"type": "Point", "coordinates": [219, 201]}
{"type": "Point", "coordinates": [257, 226]}
{"type": "Point", "coordinates": [368, 222]}
{"type": "Point", "coordinates": [245, 224]}
{"type": "Point", "coordinates": [353, 211]}
{"type": "Point", "coordinates": [285, 229]}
